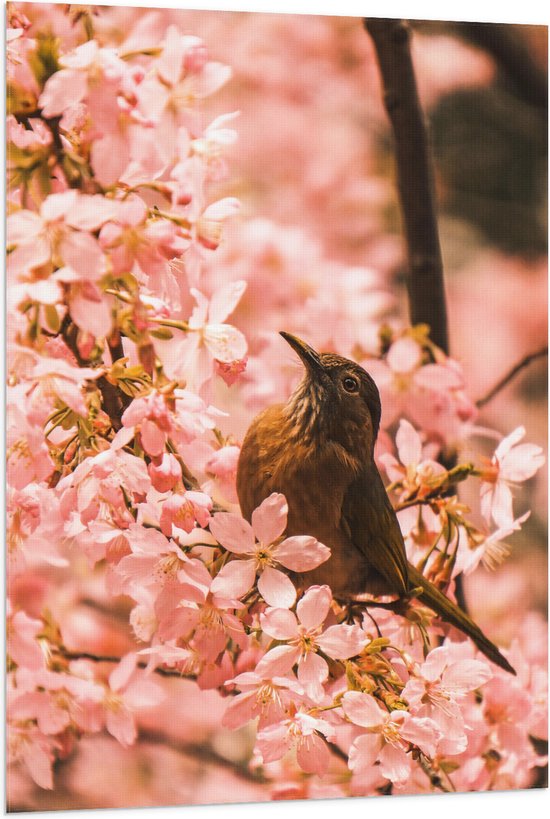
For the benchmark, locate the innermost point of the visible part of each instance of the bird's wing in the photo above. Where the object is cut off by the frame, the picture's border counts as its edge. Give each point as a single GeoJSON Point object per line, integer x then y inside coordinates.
{"type": "Point", "coordinates": [371, 523]}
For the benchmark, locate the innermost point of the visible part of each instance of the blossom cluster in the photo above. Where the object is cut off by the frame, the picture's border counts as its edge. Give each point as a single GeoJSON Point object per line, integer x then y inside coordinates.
{"type": "Point", "coordinates": [129, 387]}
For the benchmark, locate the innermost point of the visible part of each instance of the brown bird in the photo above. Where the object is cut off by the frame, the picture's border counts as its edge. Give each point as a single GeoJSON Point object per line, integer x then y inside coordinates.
{"type": "Point", "coordinates": [318, 450]}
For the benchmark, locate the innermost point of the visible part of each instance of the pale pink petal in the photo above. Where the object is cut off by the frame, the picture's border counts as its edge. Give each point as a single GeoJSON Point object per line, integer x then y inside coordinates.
{"type": "Point", "coordinates": [522, 462]}
{"type": "Point", "coordinates": [395, 765]}
{"type": "Point", "coordinates": [23, 226]}
{"type": "Point", "coordinates": [362, 709]}
{"type": "Point", "coordinates": [82, 57]}
{"type": "Point", "coordinates": [281, 624]}
{"type": "Point", "coordinates": [435, 663]}
{"type": "Point", "coordinates": [466, 675]}
{"type": "Point", "coordinates": [209, 80]}
{"type": "Point", "coordinates": [408, 444]}
{"type": "Point", "coordinates": [143, 693]}
{"type": "Point", "coordinates": [224, 301]}
{"type": "Point", "coordinates": [269, 519]}
{"type": "Point", "coordinates": [313, 755]}
{"type": "Point", "coordinates": [273, 742]}
{"type": "Point", "coordinates": [90, 212]}
{"type": "Point", "coordinates": [404, 355]}
{"type": "Point", "coordinates": [420, 731]}
{"type": "Point", "coordinates": [240, 710]}
{"type": "Point", "coordinates": [120, 724]}
{"type": "Point", "coordinates": [312, 673]}
{"type": "Point", "coordinates": [507, 443]}
{"type": "Point", "coordinates": [364, 753]}
{"type": "Point", "coordinates": [314, 606]}
{"type": "Point", "coordinates": [222, 209]}
{"type": "Point", "coordinates": [93, 315]}
{"type": "Point", "coordinates": [343, 641]}
{"type": "Point", "coordinates": [502, 505]}
{"type": "Point", "coordinates": [301, 553]}
{"type": "Point", "coordinates": [278, 661]}
{"type": "Point", "coordinates": [170, 62]}
{"type": "Point", "coordinates": [82, 252]}
{"type": "Point", "coordinates": [235, 579]}
{"type": "Point", "coordinates": [57, 205]}
{"type": "Point", "coordinates": [225, 342]}
{"type": "Point", "coordinates": [153, 439]}
{"type": "Point", "coordinates": [62, 90]}
{"type": "Point", "coordinates": [39, 764]}
{"type": "Point", "coordinates": [276, 588]}
{"type": "Point", "coordinates": [233, 532]}
{"type": "Point", "coordinates": [122, 672]}
{"type": "Point", "coordinates": [439, 378]}
{"type": "Point", "coordinates": [29, 256]}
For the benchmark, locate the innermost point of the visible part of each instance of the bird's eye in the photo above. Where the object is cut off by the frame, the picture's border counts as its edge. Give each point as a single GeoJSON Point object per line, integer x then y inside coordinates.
{"type": "Point", "coordinates": [350, 384]}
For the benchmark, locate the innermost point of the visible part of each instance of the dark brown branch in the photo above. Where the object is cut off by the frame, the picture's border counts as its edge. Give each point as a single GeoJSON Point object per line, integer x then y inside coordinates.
{"type": "Point", "coordinates": [99, 658]}
{"type": "Point", "coordinates": [506, 379]}
{"type": "Point", "coordinates": [414, 176]}
{"type": "Point", "coordinates": [110, 396]}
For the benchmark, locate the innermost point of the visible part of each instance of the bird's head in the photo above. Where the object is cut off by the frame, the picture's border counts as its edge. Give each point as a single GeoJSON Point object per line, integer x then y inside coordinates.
{"type": "Point", "coordinates": [336, 399]}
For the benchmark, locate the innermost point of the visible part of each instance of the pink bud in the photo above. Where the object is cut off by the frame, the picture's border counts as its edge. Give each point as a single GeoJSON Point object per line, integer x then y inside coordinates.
{"type": "Point", "coordinates": [166, 473]}
{"type": "Point", "coordinates": [195, 58]}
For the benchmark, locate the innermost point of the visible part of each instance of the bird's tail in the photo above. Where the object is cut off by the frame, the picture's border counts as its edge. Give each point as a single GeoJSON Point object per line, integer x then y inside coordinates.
{"type": "Point", "coordinates": [452, 614]}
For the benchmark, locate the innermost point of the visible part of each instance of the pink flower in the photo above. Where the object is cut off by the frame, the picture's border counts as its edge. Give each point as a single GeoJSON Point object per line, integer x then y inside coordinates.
{"type": "Point", "coordinates": [184, 511]}
{"type": "Point", "coordinates": [222, 464]}
{"type": "Point", "coordinates": [430, 394]}
{"type": "Point", "coordinates": [415, 469]}
{"type": "Point", "coordinates": [489, 549]}
{"type": "Point", "coordinates": [170, 90]}
{"type": "Point", "coordinates": [28, 744]}
{"type": "Point", "coordinates": [304, 634]}
{"type": "Point", "coordinates": [128, 691]}
{"type": "Point", "coordinates": [261, 696]}
{"type": "Point", "coordinates": [302, 731]}
{"type": "Point", "coordinates": [389, 736]}
{"type": "Point", "coordinates": [209, 339]}
{"type": "Point", "coordinates": [165, 472]}
{"type": "Point", "coordinates": [232, 370]}
{"type": "Point", "coordinates": [22, 645]}
{"type": "Point", "coordinates": [437, 690]}
{"type": "Point", "coordinates": [509, 465]}
{"type": "Point", "coordinates": [54, 378]}
{"type": "Point", "coordinates": [60, 233]}
{"type": "Point", "coordinates": [156, 420]}
{"type": "Point", "coordinates": [262, 541]}
{"type": "Point", "coordinates": [205, 619]}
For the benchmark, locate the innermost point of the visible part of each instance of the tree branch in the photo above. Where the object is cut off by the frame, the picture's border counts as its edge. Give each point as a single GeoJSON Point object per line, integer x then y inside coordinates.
{"type": "Point", "coordinates": [101, 658]}
{"type": "Point", "coordinates": [414, 176]}
{"type": "Point", "coordinates": [425, 281]}
{"type": "Point", "coordinates": [510, 375]}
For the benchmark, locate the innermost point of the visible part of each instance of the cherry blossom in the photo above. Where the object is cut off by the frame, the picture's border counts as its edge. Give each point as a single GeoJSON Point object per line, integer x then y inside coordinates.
{"type": "Point", "coordinates": [511, 463]}
{"type": "Point", "coordinates": [305, 637]}
{"type": "Point", "coordinates": [127, 691]}
{"type": "Point", "coordinates": [208, 339]}
{"type": "Point", "coordinates": [303, 731]}
{"type": "Point", "coordinates": [262, 541]}
{"type": "Point", "coordinates": [438, 689]}
{"type": "Point", "coordinates": [389, 736]}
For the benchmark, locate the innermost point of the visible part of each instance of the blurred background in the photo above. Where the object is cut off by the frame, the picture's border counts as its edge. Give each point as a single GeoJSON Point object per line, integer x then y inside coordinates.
{"type": "Point", "coordinates": [313, 167]}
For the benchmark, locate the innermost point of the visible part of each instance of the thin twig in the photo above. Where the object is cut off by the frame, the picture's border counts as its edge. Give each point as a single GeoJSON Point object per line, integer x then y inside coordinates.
{"type": "Point", "coordinates": [414, 176]}
{"type": "Point", "coordinates": [510, 375]}
{"type": "Point", "coordinates": [100, 658]}
{"type": "Point", "coordinates": [205, 754]}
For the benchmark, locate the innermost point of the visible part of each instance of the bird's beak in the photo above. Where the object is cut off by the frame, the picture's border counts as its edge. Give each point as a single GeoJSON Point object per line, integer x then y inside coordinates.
{"type": "Point", "coordinates": [308, 355]}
